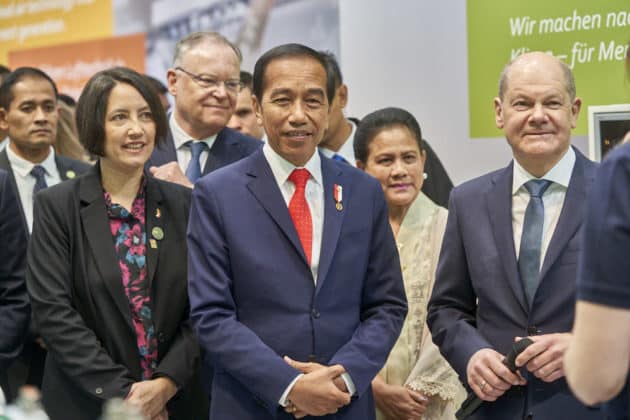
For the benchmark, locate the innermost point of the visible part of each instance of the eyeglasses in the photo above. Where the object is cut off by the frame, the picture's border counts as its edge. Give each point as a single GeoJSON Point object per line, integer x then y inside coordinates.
{"type": "Point", "coordinates": [207, 82]}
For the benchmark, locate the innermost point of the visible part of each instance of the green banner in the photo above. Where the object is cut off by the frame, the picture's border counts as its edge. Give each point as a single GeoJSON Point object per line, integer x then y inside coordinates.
{"type": "Point", "coordinates": [590, 36]}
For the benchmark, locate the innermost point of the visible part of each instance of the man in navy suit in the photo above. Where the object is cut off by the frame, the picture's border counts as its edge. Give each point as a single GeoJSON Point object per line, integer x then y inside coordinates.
{"type": "Point", "coordinates": [205, 82]}
{"type": "Point", "coordinates": [295, 285]}
{"type": "Point", "coordinates": [508, 263]}
{"type": "Point", "coordinates": [29, 114]}
{"type": "Point", "coordinates": [15, 310]}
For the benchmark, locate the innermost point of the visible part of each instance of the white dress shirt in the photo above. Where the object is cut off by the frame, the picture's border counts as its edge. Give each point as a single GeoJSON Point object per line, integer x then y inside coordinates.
{"type": "Point", "coordinates": [281, 169]}
{"type": "Point", "coordinates": [346, 150]}
{"type": "Point", "coordinates": [180, 138]}
{"type": "Point", "coordinates": [26, 182]}
{"type": "Point", "coordinates": [553, 199]}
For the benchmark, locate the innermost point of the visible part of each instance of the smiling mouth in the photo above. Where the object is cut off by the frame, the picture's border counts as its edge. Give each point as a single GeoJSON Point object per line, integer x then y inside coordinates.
{"type": "Point", "coordinates": [297, 134]}
{"type": "Point", "coordinates": [134, 146]}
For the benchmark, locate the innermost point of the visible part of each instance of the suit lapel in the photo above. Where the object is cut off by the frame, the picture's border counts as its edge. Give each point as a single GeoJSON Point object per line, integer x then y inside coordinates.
{"type": "Point", "coordinates": [264, 187]}
{"type": "Point", "coordinates": [571, 214]}
{"type": "Point", "coordinates": [499, 203]}
{"type": "Point", "coordinates": [155, 214]}
{"type": "Point", "coordinates": [220, 153]}
{"type": "Point", "coordinates": [333, 218]}
{"type": "Point", "coordinates": [96, 227]}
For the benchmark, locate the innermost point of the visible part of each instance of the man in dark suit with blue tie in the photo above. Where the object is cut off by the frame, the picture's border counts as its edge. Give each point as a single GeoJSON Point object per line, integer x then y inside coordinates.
{"type": "Point", "coordinates": [205, 82]}
{"type": "Point", "coordinates": [508, 263]}
{"type": "Point", "coordinates": [294, 279]}
{"type": "Point", "coordinates": [29, 114]}
{"type": "Point", "coordinates": [15, 310]}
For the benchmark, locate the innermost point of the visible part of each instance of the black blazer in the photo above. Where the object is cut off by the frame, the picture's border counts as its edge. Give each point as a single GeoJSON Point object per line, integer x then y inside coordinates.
{"type": "Point", "coordinates": [80, 306]}
{"type": "Point", "coordinates": [15, 310]}
{"type": "Point", "coordinates": [229, 146]}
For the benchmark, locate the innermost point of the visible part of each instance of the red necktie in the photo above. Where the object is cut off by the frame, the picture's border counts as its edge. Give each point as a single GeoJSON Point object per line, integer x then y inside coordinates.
{"type": "Point", "coordinates": [298, 209]}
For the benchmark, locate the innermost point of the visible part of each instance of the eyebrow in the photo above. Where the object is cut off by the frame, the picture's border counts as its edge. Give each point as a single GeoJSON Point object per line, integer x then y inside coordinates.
{"type": "Point", "coordinates": [127, 109]}
{"type": "Point", "coordinates": [287, 91]}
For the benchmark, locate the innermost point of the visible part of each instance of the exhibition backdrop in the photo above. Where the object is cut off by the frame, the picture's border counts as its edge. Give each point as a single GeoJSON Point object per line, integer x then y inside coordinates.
{"type": "Point", "coordinates": [73, 39]}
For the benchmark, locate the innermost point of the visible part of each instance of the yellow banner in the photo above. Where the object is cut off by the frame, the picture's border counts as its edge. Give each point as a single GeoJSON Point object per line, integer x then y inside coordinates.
{"type": "Point", "coordinates": [37, 23]}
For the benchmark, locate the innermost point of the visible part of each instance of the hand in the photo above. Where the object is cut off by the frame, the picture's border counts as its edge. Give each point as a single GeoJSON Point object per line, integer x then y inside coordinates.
{"type": "Point", "coordinates": [488, 377]}
{"type": "Point", "coordinates": [170, 172]}
{"type": "Point", "coordinates": [151, 396]}
{"type": "Point", "coordinates": [398, 402]}
{"type": "Point", "coordinates": [308, 367]}
{"type": "Point", "coordinates": [315, 393]}
{"type": "Point", "coordinates": [544, 358]}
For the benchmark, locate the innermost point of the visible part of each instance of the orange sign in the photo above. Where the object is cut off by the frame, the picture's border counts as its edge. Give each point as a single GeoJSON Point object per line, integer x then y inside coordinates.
{"type": "Point", "coordinates": [37, 23]}
{"type": "Point", "coordinates": [71, 65]}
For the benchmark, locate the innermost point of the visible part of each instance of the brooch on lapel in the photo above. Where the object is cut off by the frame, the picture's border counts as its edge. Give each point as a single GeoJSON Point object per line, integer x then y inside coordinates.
{"type": "Point", "coordinates": [337, 194]}
{"type": "Point", "coordinates": [70, 174]}
{"type": "Point", "coordinates": [158, 235]}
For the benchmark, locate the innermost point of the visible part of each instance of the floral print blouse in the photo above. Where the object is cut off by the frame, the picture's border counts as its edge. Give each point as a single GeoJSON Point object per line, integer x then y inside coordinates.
{"type": "Point", "coordinates": [129, 233]}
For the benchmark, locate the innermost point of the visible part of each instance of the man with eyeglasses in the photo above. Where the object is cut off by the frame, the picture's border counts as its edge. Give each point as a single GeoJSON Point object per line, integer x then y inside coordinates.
{"type": "Point", "coordinates": [204, 81]}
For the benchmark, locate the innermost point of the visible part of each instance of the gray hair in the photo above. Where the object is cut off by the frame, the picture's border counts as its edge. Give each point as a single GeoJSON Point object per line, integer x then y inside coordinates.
{"type": "Point", "coordinates": [192, 40]}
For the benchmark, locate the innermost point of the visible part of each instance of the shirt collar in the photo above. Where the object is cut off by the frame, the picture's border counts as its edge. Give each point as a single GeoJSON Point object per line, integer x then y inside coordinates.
{"type": "Point", "coordinates": [347, 148]}
{"type": "Point", "coordinates": [180, 137]}
{"type": "Point", "coordinates": [560, 173]}
{"type": "Point", "coordinates": [23, 167]}
{"type": "Point", "coordinates": [282, 168]}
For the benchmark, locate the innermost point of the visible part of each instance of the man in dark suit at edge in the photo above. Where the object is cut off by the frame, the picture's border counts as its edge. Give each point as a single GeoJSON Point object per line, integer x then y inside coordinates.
{"type": "Point", "coordinates": [508, 263]}
{"type": "Point", "coordinates": [14, 307]}
{"type": "Point", "coordinates": [29, 114]}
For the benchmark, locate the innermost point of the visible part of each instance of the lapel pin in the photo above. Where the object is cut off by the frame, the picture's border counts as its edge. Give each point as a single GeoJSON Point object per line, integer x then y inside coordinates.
{"type": "Point", "coordinates": [157, 233]}
{"type": "Point", "coordinates": [70, 174]}
{"type": "Point", "coordinates": [158, 213]}
{"type": "Point", "coordinates": [337, 193]}
{"type": "Point", "coordinates": [153, 243]}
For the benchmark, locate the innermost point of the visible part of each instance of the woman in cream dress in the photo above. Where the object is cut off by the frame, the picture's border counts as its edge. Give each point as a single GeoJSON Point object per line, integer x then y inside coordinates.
{"type": "Point", "coordinates": [416, 381]}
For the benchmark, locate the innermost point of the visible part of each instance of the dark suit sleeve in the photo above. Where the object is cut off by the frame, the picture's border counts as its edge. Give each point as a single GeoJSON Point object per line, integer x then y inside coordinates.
{"type": "Point", "coordinates": [453, 305]}
{"type": "Point", "coordinates": [49, 277]}
{"type": "Point", "coordinates": [383, 304]}
{"type": "Point", "coordinates": [15, 310]}
{"type": "Point", "coordinates": [230, 344]}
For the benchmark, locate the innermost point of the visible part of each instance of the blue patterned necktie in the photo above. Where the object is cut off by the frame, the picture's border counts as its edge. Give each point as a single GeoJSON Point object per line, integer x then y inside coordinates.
{"type": "Point", "coordinates": [339, 158]}
{"type": "Point", "coordinates": [531, 238]}
{"type": "Point", "coordinates": [194, 166]}
{"type": "Point", "coordinates": [39, 173]}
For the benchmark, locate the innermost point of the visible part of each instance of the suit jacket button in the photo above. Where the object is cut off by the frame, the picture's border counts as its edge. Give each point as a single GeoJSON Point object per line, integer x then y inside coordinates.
{"type": "Point", "coordinates": [98, 390]}
{"type": "Point", "coordinates": [315, 313]}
